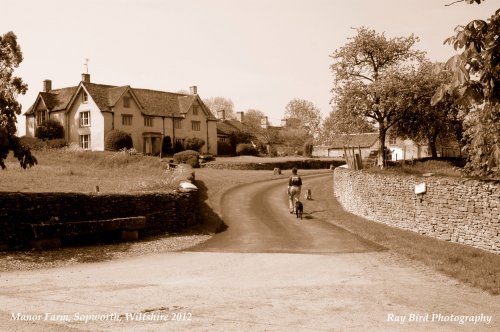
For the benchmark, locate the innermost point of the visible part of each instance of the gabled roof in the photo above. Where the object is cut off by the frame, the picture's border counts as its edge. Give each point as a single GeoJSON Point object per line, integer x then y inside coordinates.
{"type": "Point", "coordinates": [227, 127]}
{"type": "Point", "coordinates": [55, 100]}
{"type": "Point", "coordinates": [151, 102]}
{"type": "Point", "coordinates": [364, 140]}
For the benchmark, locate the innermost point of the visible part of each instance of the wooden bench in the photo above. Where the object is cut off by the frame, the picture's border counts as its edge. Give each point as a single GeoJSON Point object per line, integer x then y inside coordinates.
{"type": "Point", "coordinates": [48, 236]}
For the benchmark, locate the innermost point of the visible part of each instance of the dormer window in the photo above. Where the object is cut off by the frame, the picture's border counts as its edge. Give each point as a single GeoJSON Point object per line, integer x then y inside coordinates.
{"type": "Point", "coordinates": [126, 102]}
{"type": "Point", "coordinates": [85, 97]}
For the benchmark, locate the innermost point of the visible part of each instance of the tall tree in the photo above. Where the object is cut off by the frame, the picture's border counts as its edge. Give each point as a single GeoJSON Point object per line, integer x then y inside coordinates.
{"type": "Point", "coordinates": [10, 87]}
{"type": "Point", "coordinates": [425, 122]}
{"type": "Point", "coordinates": [216, 104]}
{"type": "Point", "coordinates": [252, 119]}
{"type": "Point", "coordinates": [304, 114]}
{"type": "Point", "coordinates": [373, 79]}
{"type": "Point", "coordinates": [476, 87]}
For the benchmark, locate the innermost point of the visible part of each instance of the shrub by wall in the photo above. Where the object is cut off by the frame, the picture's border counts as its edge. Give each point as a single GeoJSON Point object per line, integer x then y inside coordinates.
{"type": "Point", "coordinates": [246, 150]}
{"type": "Point", "coordinates": [451, 209]}
{"type": "Point", "coordinates": [116, 140]}
{"type": "Point", "coordinates": [189, 157]}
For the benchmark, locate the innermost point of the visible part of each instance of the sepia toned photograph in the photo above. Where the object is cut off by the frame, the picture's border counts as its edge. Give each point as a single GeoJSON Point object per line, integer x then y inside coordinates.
{"type": "Point", "coordinates": [249, 165]}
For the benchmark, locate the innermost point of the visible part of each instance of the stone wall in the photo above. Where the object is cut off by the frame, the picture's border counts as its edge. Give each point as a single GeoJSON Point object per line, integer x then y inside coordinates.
{"type": "Point", "coordinates": [164, 212]}
{"type": "Point", "coordinates": [451, 209]}
{"type": "Point", "coordinates": [300, 164]}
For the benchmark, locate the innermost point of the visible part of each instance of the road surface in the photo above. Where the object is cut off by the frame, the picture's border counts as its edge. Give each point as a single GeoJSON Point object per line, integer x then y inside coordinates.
{"type": "Point", "coordinates": [267, 272]}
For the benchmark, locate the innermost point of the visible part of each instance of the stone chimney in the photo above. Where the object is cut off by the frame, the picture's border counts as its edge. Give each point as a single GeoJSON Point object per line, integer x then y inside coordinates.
{"type": "Point", "coordinates": [221, 115]}
{"type": "Point", "coordinates": [264, 122]}
{"type": "Point", "coordinates": [86, 78]}
{"type": "Point", "coordinates": [240, 116]}
{"type": "Point", "coordinates": [284, 123]}
{"type": "Point", "coordinates": [193, 90]}
{"type": "Point", "coordinates": [47, 85]}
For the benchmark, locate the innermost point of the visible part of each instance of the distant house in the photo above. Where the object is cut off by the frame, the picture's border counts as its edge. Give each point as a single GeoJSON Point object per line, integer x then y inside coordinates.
{"type": "Point", "coordinates": [226, 127]}
{"type": "Point", "coordinates": [368, 144]}
{"type": "Point", "coordinates": [89, 111]}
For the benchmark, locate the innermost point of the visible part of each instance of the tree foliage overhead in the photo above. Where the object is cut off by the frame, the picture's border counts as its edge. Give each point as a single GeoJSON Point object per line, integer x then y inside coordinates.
{"type": "Point", "coordinates": [476, 87]}
{"type": "Point", "coordinates": [10, 87]}
{"type": "Point", "coordinates": [374, 77]}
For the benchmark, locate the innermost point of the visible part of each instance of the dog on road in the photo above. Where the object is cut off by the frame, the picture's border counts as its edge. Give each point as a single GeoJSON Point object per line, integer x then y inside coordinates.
{"type": "Point", "coordinates": [299, 209]}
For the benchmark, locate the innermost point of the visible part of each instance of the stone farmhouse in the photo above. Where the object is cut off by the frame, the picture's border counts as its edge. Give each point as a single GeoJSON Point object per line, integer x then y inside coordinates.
{"type": "Point", "coordinates": [89, 111]}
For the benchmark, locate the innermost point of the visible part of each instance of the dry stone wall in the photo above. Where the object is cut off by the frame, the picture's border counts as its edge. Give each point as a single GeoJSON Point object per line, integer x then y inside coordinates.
{"type": "Point", "coordinates": [458, 210]}
{"type": "Point", "coordinates": [164, 212]}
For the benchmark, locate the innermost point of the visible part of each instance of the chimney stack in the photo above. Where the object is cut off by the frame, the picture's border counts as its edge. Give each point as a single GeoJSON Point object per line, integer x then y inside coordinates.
{"type": "Point", "coordinates": [221, 114]}
{"type": "Point", "coordinates": [240, 116]}
{"type": "Point", "coordinates": [264, 122]}
{"type": "Point", "coordinates": [86, 78]}
{"type": "Point", "coordinates": [47, 85]}
{"type": "Point", "coordinates": [193, 90]}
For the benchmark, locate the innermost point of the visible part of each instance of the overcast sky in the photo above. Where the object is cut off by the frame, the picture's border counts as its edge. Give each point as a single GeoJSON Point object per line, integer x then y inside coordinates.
{"type": "Point", "coordinates": [259, 53]}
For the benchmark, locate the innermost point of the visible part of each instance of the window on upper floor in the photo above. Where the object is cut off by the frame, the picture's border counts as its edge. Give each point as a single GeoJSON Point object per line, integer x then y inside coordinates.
{"type": "Point", "coordinates": [85, 142]}
{"type": "Point", "coordinates": [126, 102]}
{"type": "Point", "coordinates": [196, 125]}
{"type": "Point", "coordinates": [85, 119]}
{"type": "Point", "coordinates": [392, 140]}
{"type": "Point", "coordinates": [195, 109]}
{"type": "Point", "coordinates": [40, 117]}
{"type": "Point", "coordinates": [126, 120]}
{"type": "Point", "coordinates": [148, 121]}
{"type": "Point", "coordinates": [177, 123]}
{"type": "Point", "coordinates": [85, 97]}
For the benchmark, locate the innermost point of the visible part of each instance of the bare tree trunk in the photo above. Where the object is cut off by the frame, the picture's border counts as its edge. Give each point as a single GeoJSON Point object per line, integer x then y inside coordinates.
{"type": "Point", "coordinates": [381, 147]}
{"type": "Point", "coordinates": [432, 144]}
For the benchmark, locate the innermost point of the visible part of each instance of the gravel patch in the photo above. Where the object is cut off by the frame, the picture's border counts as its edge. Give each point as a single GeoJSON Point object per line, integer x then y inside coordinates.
{"type": "Point", "coordinates": [33, 259]}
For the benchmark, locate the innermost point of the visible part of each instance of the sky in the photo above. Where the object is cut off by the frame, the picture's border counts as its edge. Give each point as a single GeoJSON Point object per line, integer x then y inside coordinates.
{"type": "Point", "coordinates": [261, 54]}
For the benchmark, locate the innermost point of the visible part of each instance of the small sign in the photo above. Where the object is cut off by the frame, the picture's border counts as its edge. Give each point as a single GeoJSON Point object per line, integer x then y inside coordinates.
{"type": "Point", "coordinates": [420, 188]}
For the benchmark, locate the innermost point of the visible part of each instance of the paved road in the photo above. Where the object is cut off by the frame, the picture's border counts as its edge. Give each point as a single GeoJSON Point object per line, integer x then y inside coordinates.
{"type": "Point", "coordinates": [258, 221]}
{"type": "Point", "coordinates": [337, 283]}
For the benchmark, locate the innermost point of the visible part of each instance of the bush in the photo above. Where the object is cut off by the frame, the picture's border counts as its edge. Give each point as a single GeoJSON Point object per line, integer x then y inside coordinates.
{"type": "Point", "coordinates": [194, 144]}
{"type": "Point", "coordinates": [189, 157]}
{"type": "Point", "coordinates": [246, 150]}
{"type": "Point", "coordinates": [166, 147]}
{"type": "Point", "coordinates": [224, 149]}
{"type": "Point", "coordinates": [32, 143]}
{"type": "Point", "coordinates": [50, 129]}
{"type": "Point", "coordinates": [178, 147]}
{"type": "Point", "coordinates": [37, 144]}
{"type": "Point", "coordinates": [116, 140]}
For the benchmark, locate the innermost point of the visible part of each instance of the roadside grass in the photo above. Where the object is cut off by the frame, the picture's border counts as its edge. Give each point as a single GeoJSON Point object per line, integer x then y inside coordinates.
{"type": "Point", "coordinates": [445, 167]}
{"type": "Point", "coordinates": [64, 170]}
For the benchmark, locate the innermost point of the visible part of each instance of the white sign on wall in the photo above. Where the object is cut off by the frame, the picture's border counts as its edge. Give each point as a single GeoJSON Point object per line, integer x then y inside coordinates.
{"type": "Point", "coordinates": [420, 188]}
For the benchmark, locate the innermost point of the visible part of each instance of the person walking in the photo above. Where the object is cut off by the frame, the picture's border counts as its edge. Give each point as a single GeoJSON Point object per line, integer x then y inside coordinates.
{"type": "Point", "coordinates": [294, 187]}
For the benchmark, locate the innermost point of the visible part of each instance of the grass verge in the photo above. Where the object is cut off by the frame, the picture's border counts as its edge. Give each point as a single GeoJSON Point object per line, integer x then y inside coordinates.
{"type": "Point", "coordinates": [475, 267]}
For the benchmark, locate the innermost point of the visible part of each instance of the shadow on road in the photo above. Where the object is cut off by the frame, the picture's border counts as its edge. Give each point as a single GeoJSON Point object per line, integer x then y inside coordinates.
{"type": "Point", "coordinates": [210, 222]}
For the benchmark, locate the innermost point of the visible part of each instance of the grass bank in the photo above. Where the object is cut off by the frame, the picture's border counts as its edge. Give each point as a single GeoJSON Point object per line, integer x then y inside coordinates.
{"type": "Point", "coordinates": [64, 170]}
